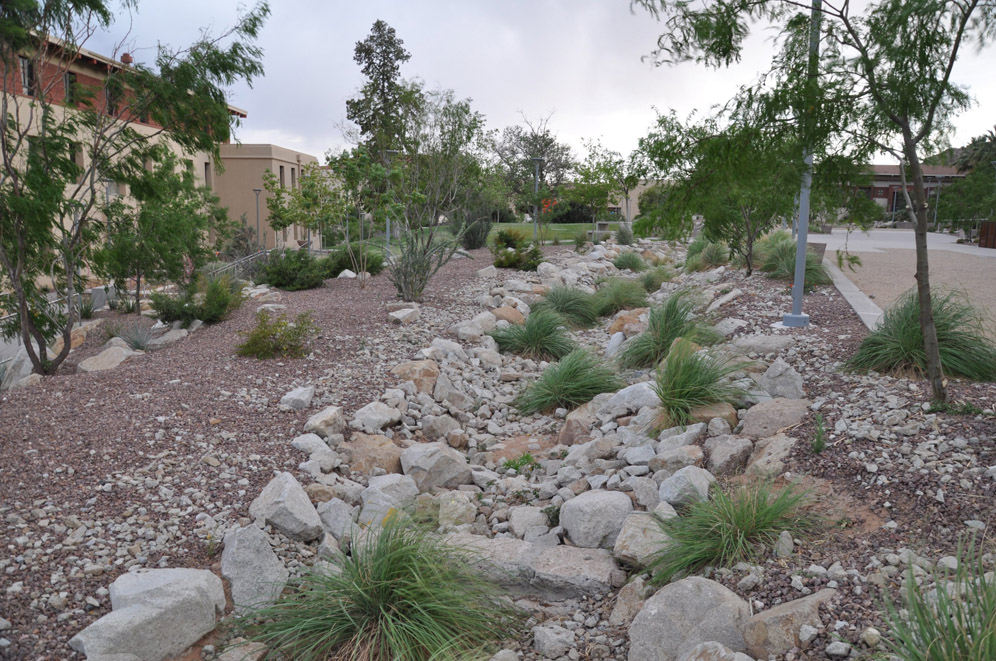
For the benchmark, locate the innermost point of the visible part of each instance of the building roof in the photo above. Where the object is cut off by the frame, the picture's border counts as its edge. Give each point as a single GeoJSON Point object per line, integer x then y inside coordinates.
{"type": "Point", "coordinates": [928, 170]}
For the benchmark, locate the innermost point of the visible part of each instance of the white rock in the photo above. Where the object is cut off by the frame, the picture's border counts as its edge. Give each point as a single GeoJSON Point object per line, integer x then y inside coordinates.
{"type": "Point", "coordinates": [256, 574]}
{"type": "Point", "coordinates": [326, 422]}
{"type": "Point", "coordinates": [374, 417]}
{"type": "Point", "coordinates": [433, 465]}
{"type": "Point", "coordinates": [298, 399]}
{"type": "Point", "coordinates": [284, 505]}
{"type": "Point", "coordinates": [687, 486]}
{"type": "Point", "coordinates": [594, 519]}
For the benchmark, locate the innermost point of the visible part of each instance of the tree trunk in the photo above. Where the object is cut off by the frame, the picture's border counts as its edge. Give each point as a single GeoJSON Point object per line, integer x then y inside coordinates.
{"type": "Point", "coordinates": [935, 374]}
{"type": "Point", "coordinates": [138, 293]}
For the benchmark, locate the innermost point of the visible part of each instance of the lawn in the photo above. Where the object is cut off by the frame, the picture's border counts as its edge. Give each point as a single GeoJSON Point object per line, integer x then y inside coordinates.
{"type": "Point", "coordinates": [563, 231]}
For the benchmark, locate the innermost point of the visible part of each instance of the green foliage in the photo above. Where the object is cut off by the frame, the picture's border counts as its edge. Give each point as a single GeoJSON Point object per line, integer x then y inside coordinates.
{"type": "Point", "coordinates": [688, 379]}
{"type": "Point", "coordinates": [674, 319]}
{"type": "Point", "coordinates": [947, 616]}
{"type": "Point", "coordinates": [339, 259]}
{"type": "Point", "coordinates": [276, 337]}
{"type": "Point", "coordinates": [820, 436]}
{"type": "Point", "coordinates": [580, 242]}
{"type": "Point", "coordinates": [704, 255]}
{"type": "Point", "coordinates": [619, 294]}
{"type": "Point", "coordinates": [86, 308]}
{"type": "Point", "coordinates": [403, 593]}
{"type": "Point", "coordinates": [653, 279]}
{"type": "Point", "coordinates": [523, 463]}
{"type": "Point", "coordinates": [968, 200]}
{"type": "Point", "coordinates": [576, 307]}
{"type": "Point", "coordinates": [541, 337]}
{"type": "Point", "coordinates": [473, 230]}
{"type": "Point", "coordinates": [624, 235]}
{"type": "Point", "coordinates": [631, 261]}
{"type": "Point", "coordinates": [422, 254]}
{"type": "Point", "coordinates": [511, 250]}
{"type": "Point", "coordinates": [575, 380]}
{"type": "Point", "coordinates": [727, 528]}
{"type": "Point", "coordinates": [136, 336]}
{"type": "Point", "coordinates": [222, 294]}
{"type": "Point", "coordinates": [776, 257]}
{"type": "Point", "coordinates": [506, 238]}
{"type": "Point", "coordinates": [897, 344]}
{"type": "Point", "coordinates": [241, 241]}
{"type": "Point", "coordinates": [174, 308]}
{"type": "Point", "coordinates": [293, 270]}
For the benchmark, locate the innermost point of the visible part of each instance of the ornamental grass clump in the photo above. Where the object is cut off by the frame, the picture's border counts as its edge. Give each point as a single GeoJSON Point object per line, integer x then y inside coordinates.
{"type": "Point", "coordinates": [136, 336]}
{"type": "Point", "coordinates": [631, 261]}
{"type": "Point", "coordinates": [775, 255]}
{"type": "Point", "coordinates": [667, 322]}
{"type": "Point", "coordinates": [654, 278]}
{"type": "Point", "coordinates": [687, 379]}
{"type": "Point", "coordinates": [402, 593]}
{"type": "Point", "coordinates": [728, 528]}
{"type": "Point", "coordinates": [703, 255]}
{"type": "Point", "coordinates": [541, 337]}
{"type": "Point", "coordinates": [619, 294]}
{"type": "Point", "coordinates": [577, 308]}
{"type": "Point", "coordinates": [897, 344]}
{"type": "Point", "coordinates": [950, 615]}
{"type": "Point", "coordinates": [574, 381]}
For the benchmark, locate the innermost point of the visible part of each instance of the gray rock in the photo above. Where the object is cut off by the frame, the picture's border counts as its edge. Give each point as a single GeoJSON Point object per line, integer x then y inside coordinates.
{"type": "Point", "coordinates": [683, 614]}
{"type": "Point", "coordinates": [769, 456]}
{"type": "Point", "coordinates": [764, 344]}
{"type": "Point", "coordinates": [630, 399]}
{"type": "Point", "coordinates": [375, 416]}
{"type": "Point", "coordinates": [629, 601]}
{"type": "Point", "coordinates": [713, 651]}
{"type": "Point", "coordinates": [689, 485]}
{"type": "Point", "coordinates": [552, 641]}
{"type": "Point", "coordinates": [775, 632]}
{"type": "Point", "coordinates": [488, 272]}
{"type": "Point", "coordinates": [674, 459]}
{"type": "Point", "coordinates": [718, 427]}
{"type": "Point", "coordinates": [451, 350]}
{"type": "Point", "coordinates": [386, 494]}
{"type": "Point", "coordinates": [639, 540]}
{"type": "Point", "coordinates": [284, 505]}
{"type": "Point", "coordinates": [615, 343]}
{"type": "Point", "coordinates": [433, 465]}
{"type": "Point", "coordinates": [337, 517]}
{"type": "Point", "coordinates": [106, 359]}
{"type": "Point", "coordinates": [168, 337]}
{"type": "Point", "coordinates": [298, 399]}
{"type": "Point", "coordinates": [310, 444]}
{"type": "Point", "coordinates": [523, 517]}
{"type": "Point", "coordinates": [838, 649]}
{"type": "Point", "coordinates": [436, 427]}
{"type": "Point", "coordinates": [594, 519]}
{"type": "Point", "coordinates": [326, 422]}
{"type": "Point", "coordinates": [768, 418]}
{"type": "Point", "coordinates": [728, 454]}
{"type": "Point", "coordinates": [145, 586]}
{"type": "Point", "coordinates": [727, 327]}
{"type": "Point", "coordinates": [781, 380]}
{"type": "Point", "coordinates": [784, 545]}
{"type": "Point", "coordinates": [256, 574]}
{"type": "Point", "coordinates": [676, 437]}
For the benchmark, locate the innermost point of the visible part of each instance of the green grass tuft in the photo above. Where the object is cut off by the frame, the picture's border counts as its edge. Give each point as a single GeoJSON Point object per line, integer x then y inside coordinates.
{"type": "Point", "coordinates": [619, 294]}
{"type": "Point", "coordinates": [576, 307]}
{"type": "Point", "coordinates": [727, 528]}
{"type": "Point", "coordinates": [897, 344]}
{"type": "Point", "coordinates": [703, 255]}
{"type": "Point", "coordinates": [575, 380]}
{"type": "Point", "coordinates": [653, 279]}
{"type": "Point", "coordinates": [674, 319]}
{"type": "Point", "coordinates": [688, 379]}
{"type": "Point", "coordinates": [403, 593]}
{"type": "Point", "coordinates": [775, 255]}
{"type": "Point", "coordinates": [631, 261]}
{"type": "Point", "coordinates": [542, 337]}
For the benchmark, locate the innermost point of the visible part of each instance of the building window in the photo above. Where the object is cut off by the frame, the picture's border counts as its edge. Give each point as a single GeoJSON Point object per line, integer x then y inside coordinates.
{"type": "Point", "coordinates": [69, 80]}
{"type": "Point", "coordinates": [293, 179]}
{"type": "Point", "coordinates": [112, 95]}
{"type": "Point", "coordinates": [207, 174]}
{"type": "Point", "coordinates": [281, 176]}
{"type": "Point", "coordinates": [28, 82]}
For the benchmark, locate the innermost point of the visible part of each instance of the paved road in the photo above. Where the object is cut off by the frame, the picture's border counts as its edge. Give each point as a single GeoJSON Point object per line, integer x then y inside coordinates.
{"type": "Point", "coordinates": [877, 241]}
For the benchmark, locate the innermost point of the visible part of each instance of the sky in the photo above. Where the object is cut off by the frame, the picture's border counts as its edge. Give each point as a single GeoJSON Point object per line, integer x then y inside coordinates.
{"type": "Point", "coordinates": [580, 63]}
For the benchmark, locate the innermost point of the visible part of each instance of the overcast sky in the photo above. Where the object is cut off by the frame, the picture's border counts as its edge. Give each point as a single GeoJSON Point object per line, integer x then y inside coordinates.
{"type": "Point", "coordinates": [579, 60]}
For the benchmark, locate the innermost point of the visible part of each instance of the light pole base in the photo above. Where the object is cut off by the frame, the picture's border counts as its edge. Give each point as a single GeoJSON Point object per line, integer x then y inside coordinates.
{"type": "Point", "coordinates": [795, 320]}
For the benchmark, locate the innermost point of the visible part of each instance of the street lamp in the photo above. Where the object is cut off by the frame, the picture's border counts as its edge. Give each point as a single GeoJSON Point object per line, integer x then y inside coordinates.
{"type": "Point", "coordinates": [390, 158]}
{"type": "Point", "coordinates": [257, 191]}
{"type": "Point", "coordinates": [536, 162]}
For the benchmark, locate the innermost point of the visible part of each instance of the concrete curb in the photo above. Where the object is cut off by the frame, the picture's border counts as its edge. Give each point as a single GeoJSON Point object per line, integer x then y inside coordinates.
{"type": "Point", "coordinates": [870, 314]}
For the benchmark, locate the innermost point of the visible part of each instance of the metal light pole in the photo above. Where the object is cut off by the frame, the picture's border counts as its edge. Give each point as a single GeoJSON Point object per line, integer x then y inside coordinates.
{"type": "Point", "coordinates": [797, 319]}
{"type": "Point", "coordinates": [390, 158]}
{"type": "Point", "coordinates": [536, 162]}
{"type": "Point", "coordinates": [257, 191]}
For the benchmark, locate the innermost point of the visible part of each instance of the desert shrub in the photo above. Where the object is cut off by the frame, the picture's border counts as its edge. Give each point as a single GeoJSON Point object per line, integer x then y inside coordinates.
{"type": "Point", "coordinates": [949, 616]}
{"type": "Point", "coordinates": [541, 337]}
{"type": "Point", "coordinates": [474, 232]}
{"type": "Point", "coordinates": [777, 259]}
{"type": "Point", "coordinates": [654, 278]}
{"type": "Point", "coordinates": [575, 380]}
{"type": "Point", "coordinates": [85, 308]}
{"type": "Point", "coordinates": [171, 308]}
{"type": "Point", "coordinates": [704, 255]}
{"type": "Point", "coordinates": [222, 294]}
{"type": "Point", "coordinates": [631, 261]}
{"type": "Point", "coordinates": [696, 246]}
{"type": "Point", "coordinates": [688, 379]}
{"type": "Point", "coordinates": [619, 294]}
{"type": "Point", "coordinates": [136, 336]}
{"type": "Point", "coordinates": [128, 305]}
{"type": "Point", "coordinates": [292, 270]}
{"type": "Point", "coordinates": [278, 336]}
{"type": "Point", "coordinates": [511, 250]}
{"type": "Point", "coordinates": [513, 239]}
{"type": "Point", "coordinates": [422, 253]}
{"type": "Point", "coordinates": [402, 593]}
{"type": "Point", "coordinates": [624, 235]}
{"type": "Point", "coordinates": [242, 242]}
{"type": "Point", "coordinates": [674, 319]}
{"type": "Point", "coordinates": [897, 344]}
{"type": "Point", "coordinates": [727, 528]}
{"type": "Point", "coordinates": [581, 242]}
{"type": "Point", "coordinates": [339, 260]}
{"type": "Point", "coordinates": [576, 307]}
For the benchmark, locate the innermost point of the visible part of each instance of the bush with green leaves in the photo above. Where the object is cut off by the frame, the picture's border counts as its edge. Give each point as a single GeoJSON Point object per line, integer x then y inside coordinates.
{"type": "Point", "coordinates": [619, 294]}
{"type": "Point", "coordinates": [339, 260]}
{"type": "Point", "coordinates": [292, 270]}
{"type": "Point", "coordinates": [624, 235]}
{"type": "Point", "coordinates": [473, 231]}
{"type": "Point", "coordinates": [541, 337]}
{"type": "Point", "coordinates": [728, 528]}
{"type": "Point", "coordinates": [687, 379]}
{"type": "Point", "coordinates": [403, 592]}
{"type": "Point", "coordinates": [950, 615]}
{"type": "Point", "coordinates": [897, 344]}
{"type": "Point", "coordinates": [775, 255]}
{"type": "Point", "coordinates": [704, 255]}
{"type": "Point", "coordinates": [654, 278]}
{"type": "Point", "coordinates": [85, 308]}
{"type": "Point", "coordinates": [171, 308]}
{"type": "Point", "coordinates": [631, 261]}
{"type": "Point", "coordinates": [573, 381]}
{"type": "Point", "coordinates": [577, 308]}
{"type": "Point", "coordinates": [667, 322]}
{"type": "Point", "coordinates": [422, 252]}
{"type": "Point", "coordinates": [511, 250]}
{"type": "Point", "coordinates": [275, 337]}
{"type": "Point", "coordinates": [222, 294]}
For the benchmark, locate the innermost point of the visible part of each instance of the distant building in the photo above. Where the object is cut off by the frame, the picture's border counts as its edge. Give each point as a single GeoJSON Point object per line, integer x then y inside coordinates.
{"type": "Point", "coordinates": [886, 188]}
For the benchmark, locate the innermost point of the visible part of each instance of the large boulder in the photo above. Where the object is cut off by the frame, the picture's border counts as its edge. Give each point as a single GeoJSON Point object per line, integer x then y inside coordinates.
{"type": "Point", "coordinates": [687, 486]}
{"type": "Point", "coordinates": [256, 574]}
{"type": "Point", "coordinates": [436, 427]}
{"type": "Point", "coordinates": [365, 452]}
{"type": "Point", "coordinates": [683, 614]}
{"type": "Point", "coordinates": [107, 359]}
{"type": "Point", "coordinates": [727, 454]}
{"type": "Point", "coordinates": [593, 519]}
{"type": "Point", "coordinates": [713, 651]}
{"type": "Point", "coordinates": [639, 540]}
{"type": "Point", "coordinates": [155, 614]}
{"type": "Point", "coordinates": [768, 418]}
{"type": "Point", "coordinates": [775, 632]}
{"type": "Point", "coordinates": [285, 505]}
{"type": "Point", "coordinates": [374, 417]}
{"type": "Point", "coordinates": [326, 422]}
{"type": "Point", "coordinates": [769, 456]}
{"type": "Point", "coordinates": [578, 425]}
{"type": "Point", "coordinates": [385, 495]}
{"type": "Point", "coordinates": [523, 517]}
{"type": "Point", "coordinates": [423, 373]}
{"type": "Point", "coordinates": [167, 338]}
{"type": "Point", "coordinates": [781, 380]}
{"type": "Point", "coordinates": [434, 465]}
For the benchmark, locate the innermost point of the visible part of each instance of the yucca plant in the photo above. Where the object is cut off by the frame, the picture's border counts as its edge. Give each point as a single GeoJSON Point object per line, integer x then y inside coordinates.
{"type": "Point", "coordinates": [541, 337]}
{"type": "Point", "coordinates": [688, 379]}
{"type": "Point", "coordinates": [950, 616]}
{"type": "Point", "coordinates": [897, 344]}
{"type": "Point", "coordinates": [576, 307]}
{"type": "Point", "coordinates": [136, 336]}
{"type": "Point", "coordinates": [402, 593]}
{"type": "Point", "coordinates": [631, 261]}
{"type": "Point", "coordinates": [575, 380]}
{"type": "Point", "coordinates": [667, 322]}
{"type": "Point", "coordinates": [619, 294]}
{"type": "Point", "coordinates": [728, 528]}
